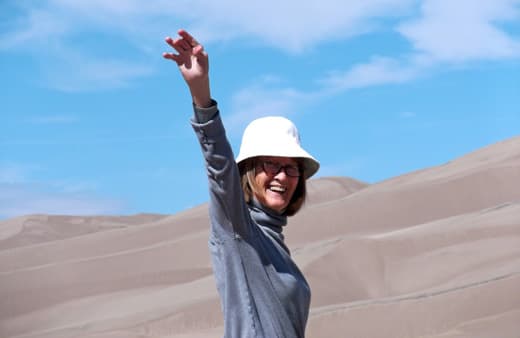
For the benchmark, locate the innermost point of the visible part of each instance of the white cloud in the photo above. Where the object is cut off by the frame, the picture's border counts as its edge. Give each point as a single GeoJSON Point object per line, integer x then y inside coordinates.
{"type": "Point", "coordinates": [380, 70]}
{"type": "Point", "coordinates": [53, 31]}
{"type": "Point", "coordinates": [260, 100]}
{"type": "Point", "coordinates": [439, 31]}
{"type": "Point", "coordinates": [68, 40]}
{"type": "Point", "coordinates": [35, 26]}
{"type": "Point", "coordinates": [465, 30]}
{"type": "Point", "coordinates": [293, 25]}
{"type": "Point", "coordinates": [268, 96]}
{"type": "Point", "coordinates": [271, 96]}
{"type": "Point", "coordinates": [446, 33]}
{"type": "Point", "coordinates": [281, 23]}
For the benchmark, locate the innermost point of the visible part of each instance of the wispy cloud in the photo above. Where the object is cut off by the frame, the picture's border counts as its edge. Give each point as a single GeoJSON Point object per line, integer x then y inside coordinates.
{"type": "Point", "coordinates": [446, 33]}
{"type": "Point", "coordinates": [23, 199]}
{"type": "Point", "coordinates": [378, 71]}
{"type": "Point", "coordinates": [438, 31]}
{"type": "Point", "coordinates": [53, 31]}
{"type": "Point", "coordinates": [281, 24]}
{"type": "Point", "coordinates": [270, 97]}
{"type": "Point", "coordinates": [66, 37]}
{"type": "Point", "coordinates": [93, 74]}
{"type": "Point", "coordinates": [33, 26]}
{"type": "Point", "coordinates": [286, 24]}
{"type": "Point", "coordinates": [441, 33]}
{"type": "Point", "coordinates": [458, 31]}
{"type": "Point", "coordinates": [21, 195]}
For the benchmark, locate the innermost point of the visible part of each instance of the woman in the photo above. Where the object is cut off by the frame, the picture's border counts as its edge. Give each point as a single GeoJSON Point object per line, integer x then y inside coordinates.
{"type": "Point", "coordinates": [262, 291]}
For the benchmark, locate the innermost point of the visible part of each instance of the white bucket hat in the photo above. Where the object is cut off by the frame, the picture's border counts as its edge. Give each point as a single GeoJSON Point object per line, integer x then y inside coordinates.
{"type": "Point", "coordinates": [275, 136]}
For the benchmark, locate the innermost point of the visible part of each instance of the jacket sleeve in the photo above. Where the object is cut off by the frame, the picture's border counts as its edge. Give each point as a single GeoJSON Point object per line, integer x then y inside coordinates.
{"type": "Point", "coordinates": [228, 211]}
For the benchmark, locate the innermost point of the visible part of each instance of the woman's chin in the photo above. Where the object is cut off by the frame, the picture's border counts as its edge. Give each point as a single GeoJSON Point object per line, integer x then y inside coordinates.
{"type": "Point", "coordinates": [276, 204]}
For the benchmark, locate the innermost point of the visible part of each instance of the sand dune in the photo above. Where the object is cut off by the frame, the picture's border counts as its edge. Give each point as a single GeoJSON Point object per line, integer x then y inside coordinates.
{"type": "Point", "coordinates": [433, 254]}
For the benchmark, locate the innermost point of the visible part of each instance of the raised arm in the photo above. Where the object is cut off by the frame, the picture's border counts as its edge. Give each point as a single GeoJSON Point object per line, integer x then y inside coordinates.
{"type": "Point", "coordinates": [193, 64]}
{"type": "Point", "coordinates": [228, 211]}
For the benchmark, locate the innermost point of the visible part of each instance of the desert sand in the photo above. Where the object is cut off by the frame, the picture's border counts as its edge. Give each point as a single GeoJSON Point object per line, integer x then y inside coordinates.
{"type": "Point", "coordinates": [434, 253]}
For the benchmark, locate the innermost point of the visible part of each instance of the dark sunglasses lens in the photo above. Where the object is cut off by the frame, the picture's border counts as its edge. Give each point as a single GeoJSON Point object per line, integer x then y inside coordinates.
{"type": "Point", "coordinates": [292, 171]}
{"type": "Point", "coordinates": [271, 168]}
{"type": "Point", "coordinates": [274, 168]}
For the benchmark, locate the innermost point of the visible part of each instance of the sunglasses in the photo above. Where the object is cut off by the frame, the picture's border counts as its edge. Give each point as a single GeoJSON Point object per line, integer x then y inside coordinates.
{"type": "Point", "coordinates": [273, 168]}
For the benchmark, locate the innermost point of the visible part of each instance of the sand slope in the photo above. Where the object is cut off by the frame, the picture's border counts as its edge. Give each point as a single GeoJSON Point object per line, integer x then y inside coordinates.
{"type": "Point", "coordinates": [433, 253]}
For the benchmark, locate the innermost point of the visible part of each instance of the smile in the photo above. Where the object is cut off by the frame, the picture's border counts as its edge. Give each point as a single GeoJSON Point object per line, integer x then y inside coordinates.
{"type": "Point", "coordinates": [278, 189]}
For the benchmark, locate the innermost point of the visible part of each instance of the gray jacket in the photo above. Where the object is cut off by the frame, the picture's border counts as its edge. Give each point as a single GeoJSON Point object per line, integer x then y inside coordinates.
{"type": "Point", "coordinates": [262, 291]}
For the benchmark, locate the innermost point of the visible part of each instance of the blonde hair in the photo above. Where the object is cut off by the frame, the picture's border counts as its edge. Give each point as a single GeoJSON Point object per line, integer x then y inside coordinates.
{"type": "Point", "coordinates": [247, 169]}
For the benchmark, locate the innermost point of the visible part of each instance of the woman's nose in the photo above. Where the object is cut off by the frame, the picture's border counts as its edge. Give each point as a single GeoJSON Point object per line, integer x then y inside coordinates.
{"type": "Point", "coordinates": [281, 173]}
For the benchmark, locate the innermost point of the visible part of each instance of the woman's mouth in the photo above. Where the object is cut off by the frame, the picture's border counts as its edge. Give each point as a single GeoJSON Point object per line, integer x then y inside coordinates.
{"type": "Point", "coordinates": [278, 189]}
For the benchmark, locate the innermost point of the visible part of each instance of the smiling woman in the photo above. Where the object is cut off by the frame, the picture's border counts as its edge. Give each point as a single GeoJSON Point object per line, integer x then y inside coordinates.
{"type": "Point", "coordinates": [262, 291]}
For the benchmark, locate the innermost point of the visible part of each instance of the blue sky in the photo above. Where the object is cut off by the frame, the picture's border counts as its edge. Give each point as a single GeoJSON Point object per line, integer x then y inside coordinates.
{"type": "Point", "coordinates": [94, 121]}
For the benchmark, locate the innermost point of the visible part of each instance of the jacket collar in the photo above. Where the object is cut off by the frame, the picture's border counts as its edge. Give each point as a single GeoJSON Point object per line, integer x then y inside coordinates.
{"type": "Point", "coordinates": [269, 220]}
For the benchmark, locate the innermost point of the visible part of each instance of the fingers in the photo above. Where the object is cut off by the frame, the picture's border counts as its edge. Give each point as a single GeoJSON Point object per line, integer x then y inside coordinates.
{"type": "Point", "coordinates": [173, 57]}
{"type": "Point", "coordinates": [180, 45]}
{"type": "Point", "coordinates": [186, 45]}
{"type": "Point", "coordinates": [188, 38]}
{"type": "Point", "coordinates": [185, 42]}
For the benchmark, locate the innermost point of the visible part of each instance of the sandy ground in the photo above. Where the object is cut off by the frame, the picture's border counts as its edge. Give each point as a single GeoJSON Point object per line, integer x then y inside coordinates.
{"type": "Point", "coordinates": [433, 254]}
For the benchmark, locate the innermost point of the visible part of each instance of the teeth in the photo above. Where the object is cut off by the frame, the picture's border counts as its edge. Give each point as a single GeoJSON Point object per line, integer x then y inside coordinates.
{"type": "Point", "coordinates": [278, 189]}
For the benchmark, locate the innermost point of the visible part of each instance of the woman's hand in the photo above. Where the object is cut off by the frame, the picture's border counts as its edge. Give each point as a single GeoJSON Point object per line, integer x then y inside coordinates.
{"type": "Point", "coordinates": [193, 64]}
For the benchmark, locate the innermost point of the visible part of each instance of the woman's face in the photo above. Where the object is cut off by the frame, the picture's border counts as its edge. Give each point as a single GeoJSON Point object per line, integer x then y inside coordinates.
{"type": "Point", "coordinates": [276, 179]}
